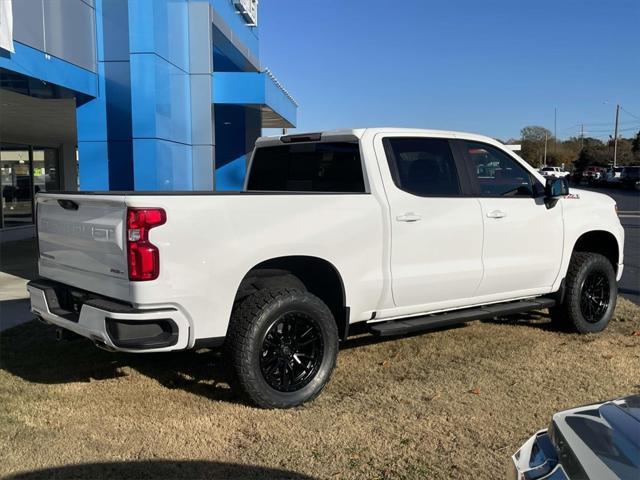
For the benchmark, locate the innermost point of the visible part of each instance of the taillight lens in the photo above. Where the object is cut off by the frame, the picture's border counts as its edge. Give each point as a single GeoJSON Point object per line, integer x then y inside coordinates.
{"type": "Point", "coordinates": [143, 258]}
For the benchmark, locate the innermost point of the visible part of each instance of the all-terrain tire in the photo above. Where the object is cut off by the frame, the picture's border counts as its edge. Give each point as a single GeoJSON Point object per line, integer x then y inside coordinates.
{"type": "Point", "coordinates": [252, 320]}
{"type": "Point", "coordinates": [574, 313]}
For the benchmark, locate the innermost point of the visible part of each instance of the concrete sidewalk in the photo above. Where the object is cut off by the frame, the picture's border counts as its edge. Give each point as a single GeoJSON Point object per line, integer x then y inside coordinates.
{"type": "Point", "coordinates": [18, 265]}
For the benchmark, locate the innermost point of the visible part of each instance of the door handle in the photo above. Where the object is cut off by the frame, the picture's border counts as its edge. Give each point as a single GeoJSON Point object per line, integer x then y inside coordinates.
{"type": "Point", "coordinates": [496, 214]}
{"type": "Point", "coordinates": [409, 217]}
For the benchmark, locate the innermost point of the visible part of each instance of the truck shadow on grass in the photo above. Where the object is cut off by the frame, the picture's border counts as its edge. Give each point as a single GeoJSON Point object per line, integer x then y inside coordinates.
{"type": "Point", "coordinates": [535, 319]}
{"type": "Point", "coordinates": [31, 352]}
{"type": "Point", "coordinates": [159, 469]}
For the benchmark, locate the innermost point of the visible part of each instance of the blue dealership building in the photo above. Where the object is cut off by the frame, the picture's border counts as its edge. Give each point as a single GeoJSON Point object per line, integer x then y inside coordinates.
{"type": "Point", "coordinates": [130, 95]}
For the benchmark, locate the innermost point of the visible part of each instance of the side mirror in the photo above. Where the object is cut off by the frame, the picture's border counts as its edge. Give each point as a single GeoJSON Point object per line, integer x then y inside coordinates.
{"type": "Point", "coordinates": [556, 188]}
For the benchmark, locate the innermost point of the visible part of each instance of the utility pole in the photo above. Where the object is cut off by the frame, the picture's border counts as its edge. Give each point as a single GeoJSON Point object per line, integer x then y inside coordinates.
{"type": "Point", "coordinates": [582, 136]}
{"type": "Point", "coordinates": [546, 136]}
{"type": "Point", "coordinates": [615, 138]}
{"type": "Point", "coordinates": [555, 128]}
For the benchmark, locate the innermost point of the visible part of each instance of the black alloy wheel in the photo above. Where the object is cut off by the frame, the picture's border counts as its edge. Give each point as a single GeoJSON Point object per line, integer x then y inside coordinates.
{"type": "Point", "coordinates": [590, 294]}
{"type": "Point", "coordinates": [291, 352]}
{"type": "Point", "coordinates": [595, 296]}
{"type": "Point", "coordinates": [281, 347]}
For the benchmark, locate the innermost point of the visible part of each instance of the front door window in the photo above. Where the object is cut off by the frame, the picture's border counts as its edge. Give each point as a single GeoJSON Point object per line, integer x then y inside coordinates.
{"type": "Point", "coordinates": [497, 174]}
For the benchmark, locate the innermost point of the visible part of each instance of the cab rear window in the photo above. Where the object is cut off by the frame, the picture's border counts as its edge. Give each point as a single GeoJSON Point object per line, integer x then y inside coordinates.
{"type": "Point", "coordinates": [308, 167]}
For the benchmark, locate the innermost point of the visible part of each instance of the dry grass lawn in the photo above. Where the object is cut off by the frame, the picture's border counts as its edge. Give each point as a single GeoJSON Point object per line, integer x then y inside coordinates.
{"type": "Point", "coordinates": [447, 404]}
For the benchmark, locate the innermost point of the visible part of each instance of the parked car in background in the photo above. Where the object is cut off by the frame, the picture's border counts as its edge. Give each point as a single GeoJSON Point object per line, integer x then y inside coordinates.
{"type": "Point", "coordinates": [592, 174]}
{"type": "Point", "coordinates": [553, 172]}
{"type": "Point", "coordinates": [594, 442]}
{"type": "Point", "coordinates": [612, 177]}
{"type": "Point", "coordinates": [630, 177]}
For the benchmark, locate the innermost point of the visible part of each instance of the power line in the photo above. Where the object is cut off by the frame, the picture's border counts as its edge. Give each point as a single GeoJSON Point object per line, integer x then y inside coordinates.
{"type": "Point", "coordinates": [604, 124]}
{"type": "Point", "coordinates": [611, 123]}
{"type": "Point", "coordinates": [609, 130]}
{"type": "Point", "coordinates": [629, 113]}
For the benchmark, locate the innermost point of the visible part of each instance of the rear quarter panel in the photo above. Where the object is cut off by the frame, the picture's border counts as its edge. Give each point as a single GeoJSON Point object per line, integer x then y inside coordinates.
{"type": "Point", "coordinates": [210, 242]}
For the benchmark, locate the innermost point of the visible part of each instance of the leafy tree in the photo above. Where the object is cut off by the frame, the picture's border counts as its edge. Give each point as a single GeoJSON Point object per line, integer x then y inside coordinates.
{"type": "Point", "coordinates": [625, 152]}
{"type": "Point", "coordinates": [535, 133]}
{"type": "Point", "coordinates": [533, 138]}
{"type": "Point", "coordinates": [562, 155]}
{"type": "Point", "coordinates": [594, 153]}
{"type": "Point", "coordinates": [575, 152]}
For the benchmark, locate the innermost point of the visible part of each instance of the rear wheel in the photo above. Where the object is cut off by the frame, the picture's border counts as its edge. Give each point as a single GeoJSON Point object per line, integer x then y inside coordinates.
{"type": "Point", "coordinates": [281, 347]}
{"type": "Point", "coordinates": [591, 293]}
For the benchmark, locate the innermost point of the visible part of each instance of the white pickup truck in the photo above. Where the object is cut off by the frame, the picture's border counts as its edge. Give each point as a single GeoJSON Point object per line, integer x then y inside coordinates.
{"type": "Point", "coordinates": [553, 172]}
{"type": "Point", "coordinates": [386, 231]}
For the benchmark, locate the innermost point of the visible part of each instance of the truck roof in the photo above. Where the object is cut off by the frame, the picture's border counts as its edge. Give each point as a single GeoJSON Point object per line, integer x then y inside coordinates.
{"type": "Point", "coordinates": [349, 133]}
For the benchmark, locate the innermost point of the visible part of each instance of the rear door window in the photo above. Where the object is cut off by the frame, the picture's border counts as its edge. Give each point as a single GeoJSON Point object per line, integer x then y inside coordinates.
{"type": "Point", "coordinates": [308, 167]}
{"type": "Point", "coordinates": [422, 166]}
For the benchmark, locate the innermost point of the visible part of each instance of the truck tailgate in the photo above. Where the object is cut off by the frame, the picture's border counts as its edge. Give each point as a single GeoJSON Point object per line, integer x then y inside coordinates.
{"type": "Point", "coordinates": [81, 241]}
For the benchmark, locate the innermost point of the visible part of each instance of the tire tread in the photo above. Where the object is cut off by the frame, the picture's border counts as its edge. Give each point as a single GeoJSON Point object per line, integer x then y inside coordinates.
{"type": "Point", "coordinates": [568, 314]}
{"type": "Point", "coordinates": [243, 329]}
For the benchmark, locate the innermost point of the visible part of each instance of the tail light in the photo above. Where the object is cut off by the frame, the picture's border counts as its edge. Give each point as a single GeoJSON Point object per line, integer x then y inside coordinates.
{"type": "Point", "coordinates": [143, 257]}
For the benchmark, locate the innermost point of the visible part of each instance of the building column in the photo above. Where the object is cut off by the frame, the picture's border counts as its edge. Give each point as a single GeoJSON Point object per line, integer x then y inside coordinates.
{"type": "Point", "coordinates": [200, 69]}
{"type": "Point", "coordinates": [171, 56]}
{"type": "Point", "coordinates": [104, 123]}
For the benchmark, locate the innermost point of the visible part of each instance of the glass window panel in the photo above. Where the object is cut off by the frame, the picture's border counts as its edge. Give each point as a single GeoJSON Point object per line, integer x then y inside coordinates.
{"type": "Point", "coordinates": [423, 166]}
{"type": "Point", "coordinates": [498, 174]}
{"type": "Point", "coordinates": [15, 181]}
{"type": "Point", "coordinates": [308, 167]}
{"type": "Point", "coordinates": [46, 174]}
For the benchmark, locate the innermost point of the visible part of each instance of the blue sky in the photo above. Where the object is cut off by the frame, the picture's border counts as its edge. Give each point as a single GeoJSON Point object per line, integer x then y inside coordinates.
{"type": "Point", "coordinates": [489, 66]}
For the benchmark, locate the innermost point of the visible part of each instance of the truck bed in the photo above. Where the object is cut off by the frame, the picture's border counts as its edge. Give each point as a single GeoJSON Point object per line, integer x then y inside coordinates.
{"type": "Point", "coordinates": [207, 245]}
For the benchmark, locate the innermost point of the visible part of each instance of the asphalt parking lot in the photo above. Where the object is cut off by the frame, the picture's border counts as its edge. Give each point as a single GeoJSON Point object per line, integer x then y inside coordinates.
{"type": "Point", "coordinates": [629, 210]}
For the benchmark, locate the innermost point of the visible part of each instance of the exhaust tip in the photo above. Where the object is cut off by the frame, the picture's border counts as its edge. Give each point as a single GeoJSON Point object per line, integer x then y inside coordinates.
{"type": "Point", "coordinates": [103, 346]}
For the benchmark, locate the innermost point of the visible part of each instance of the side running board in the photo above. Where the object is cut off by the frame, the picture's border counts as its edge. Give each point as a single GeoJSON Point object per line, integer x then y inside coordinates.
{"type": "Point", "coordinates": [437, 320]}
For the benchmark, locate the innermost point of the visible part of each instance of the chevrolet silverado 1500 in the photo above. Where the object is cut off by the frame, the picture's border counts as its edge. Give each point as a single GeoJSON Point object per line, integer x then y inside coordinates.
{"type": "Point", "coordinates": [387, 231]}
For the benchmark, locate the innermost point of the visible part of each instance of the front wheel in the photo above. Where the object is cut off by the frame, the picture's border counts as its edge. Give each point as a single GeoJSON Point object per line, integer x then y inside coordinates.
{"type": "Point", "coordinates": [591, 293]}
{"type": "Point", "coordinates": [281, 347]}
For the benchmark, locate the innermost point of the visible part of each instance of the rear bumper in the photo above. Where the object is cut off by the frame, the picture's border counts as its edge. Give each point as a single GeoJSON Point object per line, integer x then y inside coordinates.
{"type": "Point", "coordinates": [112, 325]}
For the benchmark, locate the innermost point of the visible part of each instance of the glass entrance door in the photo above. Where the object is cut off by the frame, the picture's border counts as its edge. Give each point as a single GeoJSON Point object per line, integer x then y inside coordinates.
{"type": "Point", "coordinates": [15, 181]}
{"type": "Point", "coordinates": [24, 171]}
{"type": "Point", "coordinates": [46, 175]}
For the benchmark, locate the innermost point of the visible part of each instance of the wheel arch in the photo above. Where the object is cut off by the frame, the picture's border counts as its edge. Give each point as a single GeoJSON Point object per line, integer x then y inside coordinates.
{"type": "Point", "coordinates": [599, 241]}
{"type": "Point", "coordinates": [319, 276]}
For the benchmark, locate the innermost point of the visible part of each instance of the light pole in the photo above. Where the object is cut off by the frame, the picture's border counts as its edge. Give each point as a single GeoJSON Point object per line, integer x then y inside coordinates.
{"type": "Point", "coordinates": [615, 138]}
{"type": "Point", "coordinates": [555, 128]}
